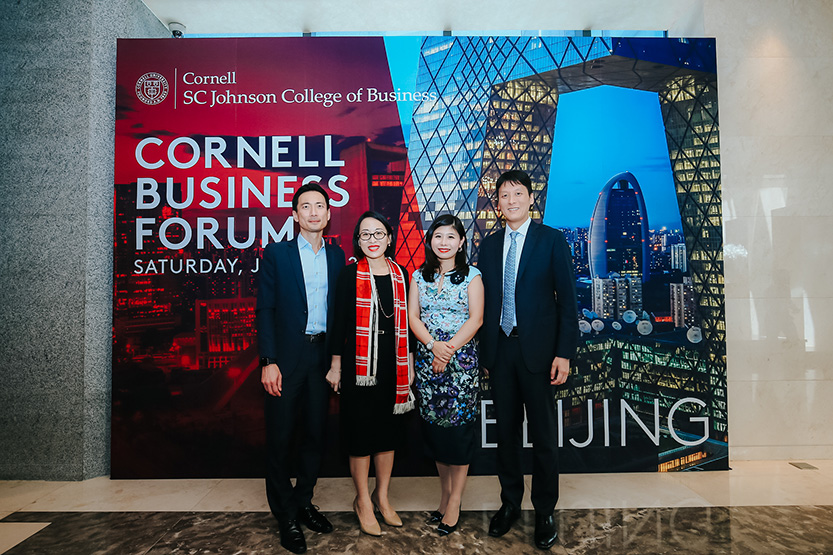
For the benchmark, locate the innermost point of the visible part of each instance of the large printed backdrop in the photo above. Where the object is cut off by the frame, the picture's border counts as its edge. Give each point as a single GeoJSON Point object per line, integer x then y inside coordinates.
{"type": "Point", "coordinates": [619, 135]}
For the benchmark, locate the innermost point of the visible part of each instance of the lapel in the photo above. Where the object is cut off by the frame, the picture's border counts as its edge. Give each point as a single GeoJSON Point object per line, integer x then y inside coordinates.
{"type": "Point", "coordinates": [332, 272]}
{"type": "Point", "coordinates": [529, 245]}
{"type": "Point", "coordinates": [498, 255]}
{"type": "Point", "coordinates": [297, 269]}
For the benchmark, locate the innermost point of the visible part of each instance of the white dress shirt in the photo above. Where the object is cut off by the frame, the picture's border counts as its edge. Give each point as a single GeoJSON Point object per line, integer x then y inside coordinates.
{"type": "Point", "coordinates": [519, 247]}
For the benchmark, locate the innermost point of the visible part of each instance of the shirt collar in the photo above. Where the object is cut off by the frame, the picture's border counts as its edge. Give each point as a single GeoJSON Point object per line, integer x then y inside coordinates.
{"type": "Point", "coordinates": [304, 244]}
{"type": "Point", "coordinates": [522, 230]}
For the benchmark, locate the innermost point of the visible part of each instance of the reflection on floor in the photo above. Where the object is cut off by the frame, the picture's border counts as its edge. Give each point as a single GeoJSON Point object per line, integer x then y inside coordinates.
{"type": "Point", "coordinates": [669, 530]}
{"type": "Point", "coordinates": [758, 507]}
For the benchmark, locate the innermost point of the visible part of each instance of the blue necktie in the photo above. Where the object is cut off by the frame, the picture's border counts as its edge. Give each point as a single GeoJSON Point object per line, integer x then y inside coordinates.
{"type": "Point", "coordinates": [507, 323]}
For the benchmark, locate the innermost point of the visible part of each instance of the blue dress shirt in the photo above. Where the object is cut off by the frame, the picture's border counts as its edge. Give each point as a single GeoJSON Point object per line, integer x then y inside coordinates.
{"type": "Point", "coordinates": [314, 266]}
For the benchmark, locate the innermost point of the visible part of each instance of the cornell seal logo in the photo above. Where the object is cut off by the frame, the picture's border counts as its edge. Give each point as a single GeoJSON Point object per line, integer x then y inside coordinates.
{"type": "Point", "coordinates": [152, 88]}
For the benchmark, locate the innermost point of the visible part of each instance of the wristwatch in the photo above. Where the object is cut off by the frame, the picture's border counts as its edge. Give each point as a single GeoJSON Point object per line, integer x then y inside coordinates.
{"type": "Point", "coordinates": [266, 361]}
{"type": "Point", "coordinates": [430, 345]}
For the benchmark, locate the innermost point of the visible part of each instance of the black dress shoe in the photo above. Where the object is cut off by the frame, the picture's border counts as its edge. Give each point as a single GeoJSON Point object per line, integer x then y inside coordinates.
{"type": "Point", "coordinates": [545, 531]}
{"type": "Point", "coordinates": [315, 521]}
{"type": "Point", "coordinates": [292, 538]}
{"type": "Point", "coordinates": [503, 520]}
{"type": "Point", "coordinates": [435, 517]}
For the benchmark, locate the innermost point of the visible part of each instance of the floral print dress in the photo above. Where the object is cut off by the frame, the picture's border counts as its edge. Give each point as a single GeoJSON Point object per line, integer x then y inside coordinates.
{"type": "Point", "coordinates": [450, 398]}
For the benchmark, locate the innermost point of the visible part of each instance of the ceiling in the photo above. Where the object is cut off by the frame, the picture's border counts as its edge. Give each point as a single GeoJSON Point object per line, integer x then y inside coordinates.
{"type": "Point", "coordinates": [281, 17]}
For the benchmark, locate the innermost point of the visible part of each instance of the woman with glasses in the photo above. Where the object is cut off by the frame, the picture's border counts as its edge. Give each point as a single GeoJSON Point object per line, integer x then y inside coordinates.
{"type": "Point", "coordinates": [372, 366]}
{"type": "Point", "coordinates": [446, 310]}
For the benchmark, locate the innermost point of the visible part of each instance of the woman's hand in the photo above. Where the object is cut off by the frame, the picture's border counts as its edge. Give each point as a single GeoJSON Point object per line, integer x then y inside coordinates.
{"type": "Point", "coordinates": [443, 350]}
{"type": "Point", "coordinates": [438, 366]}
{"type": "Point", "coordinates": [334, 378]}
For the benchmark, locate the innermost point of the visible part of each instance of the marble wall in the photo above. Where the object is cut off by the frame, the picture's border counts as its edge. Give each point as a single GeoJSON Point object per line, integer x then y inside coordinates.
{"type": "Point", "coordinates": [775, 64]}
{"type": "Point", "coordinates": [57, 96]}
{"type": "Point", "coordinates": [775, 74]}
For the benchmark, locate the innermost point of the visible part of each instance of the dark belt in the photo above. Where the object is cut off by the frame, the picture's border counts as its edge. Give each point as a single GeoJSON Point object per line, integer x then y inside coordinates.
{"type": "Point", "coordinates": [513, 333]}
{"type": "Point", "coordinates": [314, 337]}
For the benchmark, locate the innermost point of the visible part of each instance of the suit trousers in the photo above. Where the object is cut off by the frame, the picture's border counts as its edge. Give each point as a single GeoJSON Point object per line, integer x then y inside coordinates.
{"type": "Point", "coordinates": [302, 405]}
{"type": "Point", "coordinates": [513, 386]}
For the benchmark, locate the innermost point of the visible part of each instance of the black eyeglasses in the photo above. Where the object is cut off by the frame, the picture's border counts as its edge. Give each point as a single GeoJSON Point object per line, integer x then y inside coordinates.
{"type": "Point", "coordinates": [378, 235]}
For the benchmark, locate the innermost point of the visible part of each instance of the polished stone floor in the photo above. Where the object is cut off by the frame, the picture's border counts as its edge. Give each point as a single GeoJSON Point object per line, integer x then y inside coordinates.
{"type": "Point", "coordinates": [757, 507]}
{"type": "Point", "coordinates": [785, 529]}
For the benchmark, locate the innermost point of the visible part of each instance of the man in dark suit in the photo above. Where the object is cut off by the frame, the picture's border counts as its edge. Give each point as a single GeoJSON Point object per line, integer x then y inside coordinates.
{"type": "Point", "coordinates": [294, 298]}
{"type": "Point", "coordinates": [529, 334]}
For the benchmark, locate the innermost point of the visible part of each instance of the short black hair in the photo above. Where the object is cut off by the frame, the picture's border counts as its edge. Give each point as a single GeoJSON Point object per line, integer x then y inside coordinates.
{"type": "Point", "coordinates": [315, 187]}
{"type": "Point", "coordinates": [518, 176]}
{"type": "Point", "coordinates": [357, 247]}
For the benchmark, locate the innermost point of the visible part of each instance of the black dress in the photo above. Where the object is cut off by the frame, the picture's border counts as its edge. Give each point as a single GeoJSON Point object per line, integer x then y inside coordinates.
{"type": "Point", "coordinates": [368, 424]}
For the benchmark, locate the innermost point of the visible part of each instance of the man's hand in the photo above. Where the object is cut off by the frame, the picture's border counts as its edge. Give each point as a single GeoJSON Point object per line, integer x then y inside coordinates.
{"type": "Point", "coordinates": [559, 371]}
{"type": "Point", "coordinates": [334, 378]}
{"type": "Point", "coordinates": [272, 380]}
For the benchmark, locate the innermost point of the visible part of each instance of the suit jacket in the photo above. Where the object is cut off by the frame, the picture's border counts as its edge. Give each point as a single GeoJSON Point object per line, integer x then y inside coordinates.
{"type": "Point", "coordinates": [282, 300]}
{"type": "Point", "coordinates": [545, 298]}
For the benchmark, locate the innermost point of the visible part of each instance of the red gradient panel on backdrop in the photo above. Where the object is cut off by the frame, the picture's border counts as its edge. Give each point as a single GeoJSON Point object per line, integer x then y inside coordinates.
{"type": "Point", "coordinates": [213, 136]}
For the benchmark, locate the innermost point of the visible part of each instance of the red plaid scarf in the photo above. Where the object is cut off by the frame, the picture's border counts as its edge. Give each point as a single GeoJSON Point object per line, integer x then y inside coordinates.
{"type": "Point", "coordinates": [367, 325]}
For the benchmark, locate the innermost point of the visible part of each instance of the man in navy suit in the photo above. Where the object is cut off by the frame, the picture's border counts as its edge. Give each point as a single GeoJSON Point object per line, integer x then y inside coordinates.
{"type": "Point", "coordinates": [529, 335]}
{"type": "Point", "coordinates": [294, 298]}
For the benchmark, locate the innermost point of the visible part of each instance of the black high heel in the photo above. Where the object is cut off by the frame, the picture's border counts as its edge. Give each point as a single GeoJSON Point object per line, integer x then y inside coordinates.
{"type": "Point", "coordinates": [435, 517]}
{"type": "Point", "coordinates": [444, 529]}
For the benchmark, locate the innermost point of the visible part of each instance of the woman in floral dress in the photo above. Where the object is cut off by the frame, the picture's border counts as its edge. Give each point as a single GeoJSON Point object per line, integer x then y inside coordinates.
{"type": "Point", "coordinates": [445, 311]}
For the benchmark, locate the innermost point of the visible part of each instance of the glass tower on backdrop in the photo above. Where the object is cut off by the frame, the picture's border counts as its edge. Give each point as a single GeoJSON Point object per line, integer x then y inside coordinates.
{"type": "Point", "coordinates": [495, 109]}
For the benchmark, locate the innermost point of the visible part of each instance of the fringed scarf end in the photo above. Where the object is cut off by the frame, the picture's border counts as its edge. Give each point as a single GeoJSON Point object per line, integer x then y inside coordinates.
{"type": "Point", "coordinates": [402, 408]}
{"type": "Point", "coordinates": [365, 380]}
